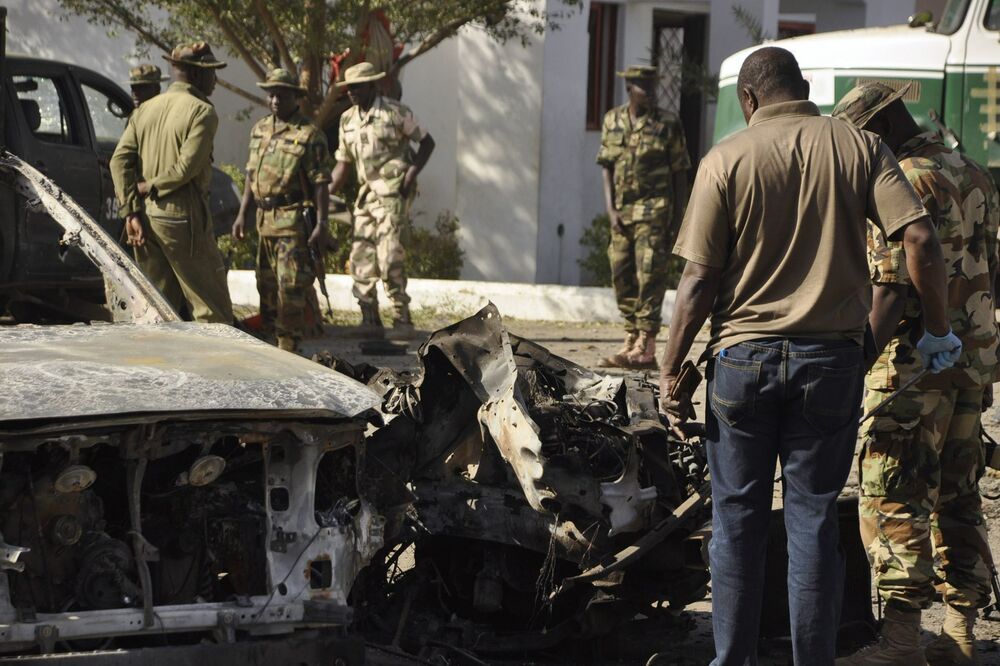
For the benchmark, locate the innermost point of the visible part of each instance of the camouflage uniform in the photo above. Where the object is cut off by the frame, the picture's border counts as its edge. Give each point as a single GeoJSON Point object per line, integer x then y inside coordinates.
{"type": "Point", "coordinates": [643, 157]}
{"type": "Point", "coordinates": [283, 155]}
{"type": "Point", "coordinates": [377, 142]}
{"type": "Point", "coordinates": [922, 457]}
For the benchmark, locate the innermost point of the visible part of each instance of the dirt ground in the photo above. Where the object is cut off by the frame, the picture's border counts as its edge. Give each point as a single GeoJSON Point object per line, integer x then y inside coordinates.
{"type": "Point", "coordinates": [687, 638]}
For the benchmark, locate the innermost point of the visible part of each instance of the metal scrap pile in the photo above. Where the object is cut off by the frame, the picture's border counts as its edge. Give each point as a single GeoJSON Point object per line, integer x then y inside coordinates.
{"type": "Point", "coordinates": [540, 499]}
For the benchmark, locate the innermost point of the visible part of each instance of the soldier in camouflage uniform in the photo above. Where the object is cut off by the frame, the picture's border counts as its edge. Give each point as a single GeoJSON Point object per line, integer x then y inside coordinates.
{"type": "Point", "coordinates": [375, 138]}
{"type": "Point", "coordinates": [644, 164]}
{"type": "Point", "coordinates": [922, 457]}
{"type": "Point", "coordinates": [144, 81]}
{"type": "Point", "coordinates": [287, 174]}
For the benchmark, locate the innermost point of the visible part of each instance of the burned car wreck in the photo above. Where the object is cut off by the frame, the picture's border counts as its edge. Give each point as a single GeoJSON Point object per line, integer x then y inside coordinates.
{"type": "Point", "coordinates": [170, 483]}
{"type": "Point", "coordinates": [173, 492]}
{"type": "Point", "coordinates": [543, 501]}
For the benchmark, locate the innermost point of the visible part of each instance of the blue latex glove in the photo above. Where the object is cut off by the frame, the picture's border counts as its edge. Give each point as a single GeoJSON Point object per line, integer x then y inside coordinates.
{"type": "Point", "coordinates": [939, 353]}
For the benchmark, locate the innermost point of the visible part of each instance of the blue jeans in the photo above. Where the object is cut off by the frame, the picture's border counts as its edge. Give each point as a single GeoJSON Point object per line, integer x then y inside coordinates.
{"type": "Point", "coordinates": [797, 401]}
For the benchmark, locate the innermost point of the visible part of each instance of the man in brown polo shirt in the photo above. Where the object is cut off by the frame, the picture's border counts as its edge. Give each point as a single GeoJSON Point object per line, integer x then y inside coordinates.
{"type": "Point", "coordinates": [775, 239]}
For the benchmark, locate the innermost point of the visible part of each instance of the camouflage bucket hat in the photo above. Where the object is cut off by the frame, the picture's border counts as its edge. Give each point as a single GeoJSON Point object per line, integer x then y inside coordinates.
{"type": "Point", "coordinates": [198, 54]}
{"type": "Point", "coordinates": [639, 72]}
{"type": "Point", "coordinates": [144, 74]}
{"type": "Point", "coordinates": [281, 78]}
{"type": "Point", "coordinates": [360, 73]}
{"type": "Point", "coordinates": [862, 102]}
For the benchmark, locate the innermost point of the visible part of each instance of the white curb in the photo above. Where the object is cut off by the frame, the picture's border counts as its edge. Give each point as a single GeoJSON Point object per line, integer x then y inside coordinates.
{"type": "Point", "coordinates": [461, 298]}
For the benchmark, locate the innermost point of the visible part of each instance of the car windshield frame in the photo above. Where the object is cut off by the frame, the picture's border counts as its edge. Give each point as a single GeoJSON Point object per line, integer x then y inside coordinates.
{"type": "Point", "coordinates": [952, 17]}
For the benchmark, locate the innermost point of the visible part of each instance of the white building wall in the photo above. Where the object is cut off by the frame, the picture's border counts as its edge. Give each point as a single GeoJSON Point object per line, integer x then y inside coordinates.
{"type": "Point", "coordinates": [430, 88]}
{"type": "Point", "coordinates": [498, 156]}
{"type": "Point", "coordinates": [42, 29]}
{"type": "Point", "coordinates": [568, 170]}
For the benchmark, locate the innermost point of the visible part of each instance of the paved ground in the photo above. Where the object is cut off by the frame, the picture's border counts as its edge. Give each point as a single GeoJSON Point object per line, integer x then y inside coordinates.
{"type": "Point", "coordinates": [687, 640]}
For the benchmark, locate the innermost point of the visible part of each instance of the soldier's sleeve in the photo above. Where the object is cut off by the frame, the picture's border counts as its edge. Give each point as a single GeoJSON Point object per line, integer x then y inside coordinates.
{"type": "Point", "coordinates": [254, 146]}
{"type": "Point", "coordinates": [195, 153]}
{"type": "Point", "coordinates": [993, 231]}
{"type": "Point", "coordinates": [317, 158]}
{"type": "Point", "coordinates": [124, 164]}
{"type": "Point", "coordinates": [410, 127]}
{"type": "Point", "coordinates": [886, 259]}
{"type": "Point", "coordinates": [343, 153]}
{"type": "Point", "coordinates": [611, 142]}
{"type": "Point", "coordinates": [679, 158]}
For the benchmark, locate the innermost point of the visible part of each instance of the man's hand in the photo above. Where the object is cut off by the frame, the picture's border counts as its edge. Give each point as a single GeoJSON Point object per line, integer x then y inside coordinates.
{"type": "Point", "coordinates": [319, 239]}
{"type": "Point", "coordinates": [134, 232]}
{"type": "Point", "coordinates": [939, 353]}
{"type": "Point", "coordinates": [409, 182]}
{"type": "Point", "coordinates": [142, 187]}
{"type": "Point", "coordinates": [239, 227]}
{"type": "Point", "coordinates": [987, 397]}
{"type": "Point", "coordinates": [616, 220]}
{"type": "Point", "coordinates": [677, 408]}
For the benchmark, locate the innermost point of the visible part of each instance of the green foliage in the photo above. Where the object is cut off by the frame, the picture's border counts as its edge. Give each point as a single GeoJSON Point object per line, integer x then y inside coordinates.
{"type": "Point", "coordinates": [751, 24]}
{"type": "Point", "coordinates": [300, 36]}
{"type": "Point", "coordinates": [595, 264]}
{"type": "Point", "coordinates": [430, 253]}
{"type": "Point", "coordinates": [237, 174]}
{"type": "Point", "coordinates": [434, 253]}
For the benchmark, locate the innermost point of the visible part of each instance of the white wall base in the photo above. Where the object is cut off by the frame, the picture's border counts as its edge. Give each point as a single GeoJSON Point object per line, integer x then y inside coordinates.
{"type": "Point", "coordinates": [461, 298]}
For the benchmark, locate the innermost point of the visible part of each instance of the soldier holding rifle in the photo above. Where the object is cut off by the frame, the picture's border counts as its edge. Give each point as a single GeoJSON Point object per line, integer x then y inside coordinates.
{"type": "Point", "coordinates": [288, 164]}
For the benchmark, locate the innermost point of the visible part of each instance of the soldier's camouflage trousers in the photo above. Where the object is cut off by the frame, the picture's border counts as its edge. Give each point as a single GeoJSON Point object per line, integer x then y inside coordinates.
{"type": "Point", "coordinates": [284, 274]}
{"type": "Point", "coordinates": [921, 512]}
{"type": "Point", "coordinates": [377, 250]}
{"type": "Point", "coordinates": [639, 272]}
{"type": "Point", "coordinates": [181, 259]}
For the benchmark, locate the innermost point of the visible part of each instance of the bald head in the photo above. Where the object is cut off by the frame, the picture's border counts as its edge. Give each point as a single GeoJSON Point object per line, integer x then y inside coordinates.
{"type": "Point", "coordinates": [768, 76]}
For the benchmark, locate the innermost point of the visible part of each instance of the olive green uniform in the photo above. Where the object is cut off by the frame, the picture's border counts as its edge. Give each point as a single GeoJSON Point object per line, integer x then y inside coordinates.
{"type": "Point", "coordinates": [377, 142]}
{"type": "Point", "coordinates": [643, 156]}
{"type": "Point", "coordinates": [922, 457]}
{"type": "Point", "coordinates": [168, 144]}
{"type": "Point", "coordinates": [284, 156]}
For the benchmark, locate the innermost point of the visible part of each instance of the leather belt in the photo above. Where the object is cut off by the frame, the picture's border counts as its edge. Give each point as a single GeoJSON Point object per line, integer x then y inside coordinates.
{"type": "Point", "coordinates": [270, 203]}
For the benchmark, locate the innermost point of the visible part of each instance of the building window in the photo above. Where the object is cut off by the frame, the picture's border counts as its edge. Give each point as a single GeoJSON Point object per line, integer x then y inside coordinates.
{"type": "Point", "coordinates": [788, 29]}
{"type": "Point", "coordinates": [603, 28]}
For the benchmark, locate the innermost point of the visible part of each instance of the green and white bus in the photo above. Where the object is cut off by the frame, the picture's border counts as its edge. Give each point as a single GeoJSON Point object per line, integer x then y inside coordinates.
{"type": "Point", "coordinates": [953, 66]}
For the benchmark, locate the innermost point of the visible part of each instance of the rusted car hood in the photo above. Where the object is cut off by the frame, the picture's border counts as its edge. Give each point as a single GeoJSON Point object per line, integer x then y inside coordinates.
{"type": "Point", "coordinates": [59, 372]}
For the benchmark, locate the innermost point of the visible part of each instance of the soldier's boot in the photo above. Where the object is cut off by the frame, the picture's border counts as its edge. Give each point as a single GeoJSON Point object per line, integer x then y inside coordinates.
{"type": "Point", "coordinates": [620, 358]}
{"type": "Point", "coordinates": [956, 646]}
{"type": "Point", "coordinates": [898, 643]}
{"type": "Point", "coordinates": [402, 324]}
{"type": "Point", "coordinates": [371, 321]}
{"type": "Point", "coordinates": [643, 354]}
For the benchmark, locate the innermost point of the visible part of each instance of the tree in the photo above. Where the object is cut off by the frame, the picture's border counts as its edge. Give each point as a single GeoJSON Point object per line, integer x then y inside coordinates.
{"type": "Point", "coordinates": [302, 36]}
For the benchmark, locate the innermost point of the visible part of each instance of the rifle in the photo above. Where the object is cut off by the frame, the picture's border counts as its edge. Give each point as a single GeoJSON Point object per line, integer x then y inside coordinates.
{"type": "Point", "coordinates": [309, 218]}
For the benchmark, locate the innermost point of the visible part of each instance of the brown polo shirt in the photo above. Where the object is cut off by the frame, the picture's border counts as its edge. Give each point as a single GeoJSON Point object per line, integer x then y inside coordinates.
{"type": "Point", "coordinates": [781, 208]}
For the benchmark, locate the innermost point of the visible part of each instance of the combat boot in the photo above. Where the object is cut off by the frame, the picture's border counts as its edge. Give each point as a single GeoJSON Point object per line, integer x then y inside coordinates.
{"type": "Point", "coordinates": [620, 358]}
{"type": "Point", "coordinates": [643, 354]}
{"type": "Point", "coordinates": [898, 643]}
{"type": "Point", "coordinates": [402, 324]}
{"type": "Point", "coordinates": [956, 646]}
{"type": "Point", "coordinates": [371, 322]}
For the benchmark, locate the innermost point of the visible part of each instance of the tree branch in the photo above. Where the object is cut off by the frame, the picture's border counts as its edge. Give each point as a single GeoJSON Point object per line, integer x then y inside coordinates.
{"type": "Point", "coordinates": [236, 42]}
{"type": "Point", "coordinates": [249, 96]}
{"type": "Point", "coordinates": [279, 39]}
{"type": "Point", "coordinates": [432, 40]}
